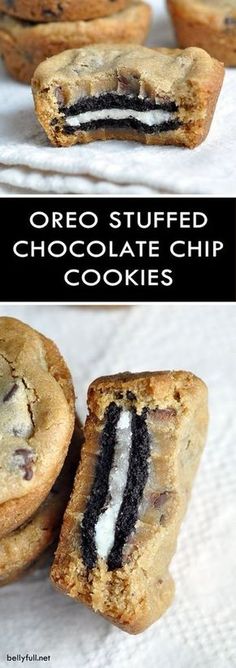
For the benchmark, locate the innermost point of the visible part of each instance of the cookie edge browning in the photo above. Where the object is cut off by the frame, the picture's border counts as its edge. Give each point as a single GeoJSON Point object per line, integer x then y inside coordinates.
{"type": "Point", "coordinates": [131, 24]}
{"type": "Point", "coordinates": [16, 511]}
{"type": "Point", "coordinates": [194, 25]}
{"type": "Point", "coordinates": [69, 575]}
{"type": "Point", "coordinates": [211, 80]}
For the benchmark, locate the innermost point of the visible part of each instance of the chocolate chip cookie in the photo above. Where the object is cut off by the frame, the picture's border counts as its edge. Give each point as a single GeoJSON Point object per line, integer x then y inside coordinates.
{"type": "Point", "coordinates": [144, 435]}
{"type": "Point", "coordinates": [36, 420]}
{"type": "Point", "coordinates": [25, 45]}
{"type": "Point", "coordinates": [21, 548]}
{"type": "Point", "coordinates": [161, 96]}
{"type": "Point", "coordinates": [45, 11]}
{"type": "Point", "coordinates": [210, 24]}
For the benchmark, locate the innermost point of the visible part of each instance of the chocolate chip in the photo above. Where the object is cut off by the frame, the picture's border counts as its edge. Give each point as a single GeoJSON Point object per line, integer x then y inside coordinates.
{"type": "Point", "coordinates": [131, 396]}
{"type": "Point", "coordinates": [10, 393]}
{"type": "Point", "coordinates": [230, 20]}
{"type": "Point", "coordinates": [59, 96]}
{"type": "Point", "coordinates": [163, 414]}
{"type": "Point", "coordinates": [119, 395]}
{"type": "Point", "coordinates": [26, 459]}
{"type": "Point", "coordinates": [176, 395]}
{"type": "Point", "coordinates": [158, 500]}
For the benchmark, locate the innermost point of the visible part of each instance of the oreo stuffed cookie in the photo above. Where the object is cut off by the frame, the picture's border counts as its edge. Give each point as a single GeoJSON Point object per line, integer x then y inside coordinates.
{"type": "Point", "coordinates": [144, 436]}
{"type": "Point", "coordinates": [36, 420]}
{"type": "Point", "coordinates": [161, 96]}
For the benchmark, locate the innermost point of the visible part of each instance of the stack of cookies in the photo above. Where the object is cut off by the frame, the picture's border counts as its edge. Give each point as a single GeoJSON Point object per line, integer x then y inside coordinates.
{"type": "Point", "coordinates": [32, 30]}
{"type": "Point", "coordinates": [36, 426]}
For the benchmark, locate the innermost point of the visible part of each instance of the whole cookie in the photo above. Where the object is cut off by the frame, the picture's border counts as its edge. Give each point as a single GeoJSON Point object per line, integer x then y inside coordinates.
{"type": "Point", "coordinates": [36, 420]}
{"type": "Point", "coordinates": [23, 45]}
{"type": "Point", "coordinates": [45, 11]}
{"type": "Point", "coordinates": [23, 546]}
{"type": "Point", "coordinates": [210, 24]}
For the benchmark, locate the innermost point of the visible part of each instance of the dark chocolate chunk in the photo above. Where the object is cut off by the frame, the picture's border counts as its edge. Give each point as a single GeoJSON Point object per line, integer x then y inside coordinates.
{"type": "Point", "coordinates": [10, 393]}
{"type": "Point", "coordinates": [130, 396]}
{"type": "Point", "coordinates": [136, 480]}
{"type": "Point", "coordinates": [230, 21]}
{"type": "Point", "coordinates": [164, 414]}
{"type": "Point", "coordinates": [119, 395]}
{"type": "Point", "coordinates": [124, 123]}
{"type": "Point", "coordinates": [49, 14]}
{"type": "Point", "coordinates": [27, 457]}
{"type": "Point", "coordinates": [159, 499]}
{"type": "Point", "coordinates": [99, 492]}
{"type": "Point", "coordinates": [59, 96]}
{"type": "Point", "coordinates": [116, 101]}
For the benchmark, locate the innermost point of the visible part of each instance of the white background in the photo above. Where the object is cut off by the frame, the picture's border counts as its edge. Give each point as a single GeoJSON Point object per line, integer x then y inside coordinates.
{"type": "Point", "coordinates": [199, 630]}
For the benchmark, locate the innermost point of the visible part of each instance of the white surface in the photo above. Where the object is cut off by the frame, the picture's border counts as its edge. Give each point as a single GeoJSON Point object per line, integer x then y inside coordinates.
{"type": "Point", "coordinates": [106, 524]}
{"type": "Point", "coordinates": [199, 630]}
{"type": "Point", "coordinates": [29, 164]}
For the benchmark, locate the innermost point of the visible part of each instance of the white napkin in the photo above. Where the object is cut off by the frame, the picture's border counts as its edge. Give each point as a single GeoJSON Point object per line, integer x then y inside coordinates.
{"type": "Point", "coordinates": [199, 630]}
{"type": "Point", "coordinates": [29, 164]}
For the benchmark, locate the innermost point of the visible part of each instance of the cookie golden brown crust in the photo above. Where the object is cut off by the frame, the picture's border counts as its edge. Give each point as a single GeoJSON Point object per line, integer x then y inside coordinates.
{"type": "Point", "coordinates": [24, 45]}
{"type": "Point", "coordinates": [36, 420]}
{"type": "Point", "coordinates": [207, 24]}
{"type": "Point", "coordinates": [46, 11]}
{"type": "Point", "coordinates": [177, 87]}
{"type": "Point", "coordinates": [22, 547]}
{"type": "Point", "coordinates": [116, 566]}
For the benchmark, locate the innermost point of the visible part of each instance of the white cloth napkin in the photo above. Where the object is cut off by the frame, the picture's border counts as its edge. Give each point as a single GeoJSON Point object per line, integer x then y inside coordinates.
{"type": "Point", "coordinates": [199, 630]}
{"type": "Point", "coordinates": [29, 164]}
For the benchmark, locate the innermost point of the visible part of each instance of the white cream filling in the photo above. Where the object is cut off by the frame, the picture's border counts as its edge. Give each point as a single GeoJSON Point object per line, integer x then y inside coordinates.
{"type": "Point", "coordinates": [153, 117]}
{"type": "Point", "coordinates": [105, 527]}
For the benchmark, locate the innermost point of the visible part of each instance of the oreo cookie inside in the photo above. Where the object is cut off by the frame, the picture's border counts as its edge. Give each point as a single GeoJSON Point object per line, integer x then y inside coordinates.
{"type": "Point", "coordinates": [120, 477]}
{"type": "Point", "coordinates": [114, 110]}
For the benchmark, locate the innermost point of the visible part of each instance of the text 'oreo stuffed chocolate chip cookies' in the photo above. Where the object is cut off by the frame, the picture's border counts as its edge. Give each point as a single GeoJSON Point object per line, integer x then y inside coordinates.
{"type": "Point", "coordinates": [36, 420]}
{"type": "Point", "coordinates": [143, 439]}
{"type": "Point", "coordinates": [161, 96]}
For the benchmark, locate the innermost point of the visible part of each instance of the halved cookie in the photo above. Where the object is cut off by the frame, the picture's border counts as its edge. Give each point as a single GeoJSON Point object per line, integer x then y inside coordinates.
{"type": "Point", "coordinates": [161, 96]}
{"type": "Point", "coordinates": [36, 420]}
{"type": "Point", "coordinates": [143, 440]}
